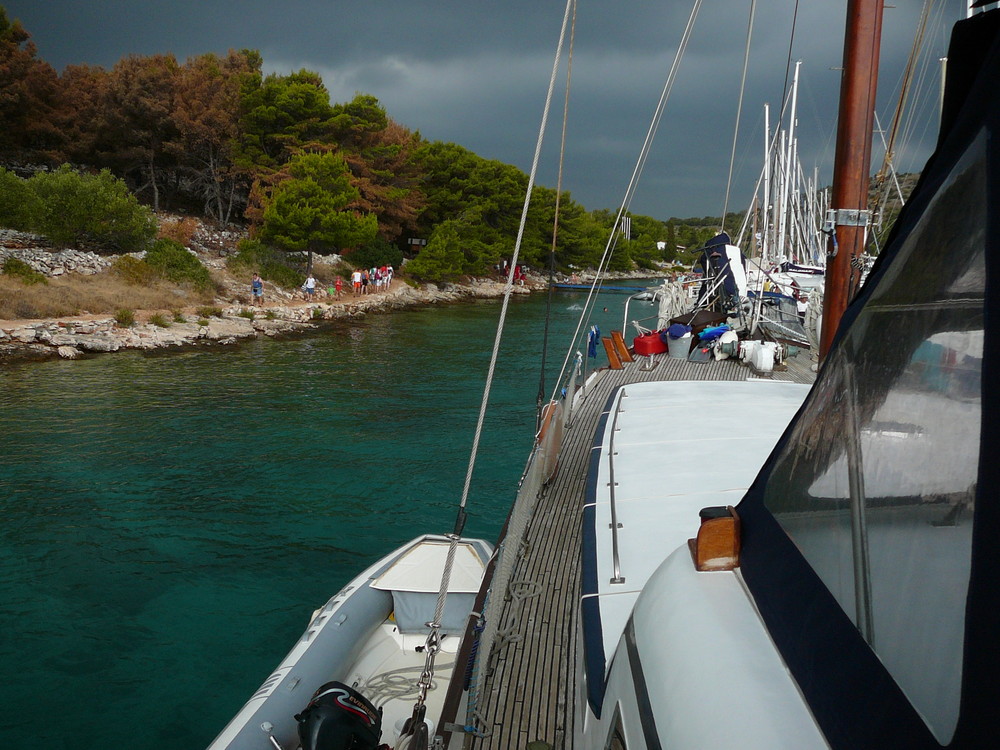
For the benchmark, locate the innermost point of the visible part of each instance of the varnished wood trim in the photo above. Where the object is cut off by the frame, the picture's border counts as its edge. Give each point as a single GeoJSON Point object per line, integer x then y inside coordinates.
{"type": "Point", "coordinates": [614, 361]}
{"type": "Point", "coordinates": [621, 346]}
{"type": "Point", "coordinates": [717, 546]}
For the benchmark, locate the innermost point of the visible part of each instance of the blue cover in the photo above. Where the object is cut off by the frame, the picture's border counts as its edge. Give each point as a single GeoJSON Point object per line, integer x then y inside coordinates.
{"type": "Point", "coordinates": [710, 334]}
{"type": "Point", "coordinates": [678, 330]}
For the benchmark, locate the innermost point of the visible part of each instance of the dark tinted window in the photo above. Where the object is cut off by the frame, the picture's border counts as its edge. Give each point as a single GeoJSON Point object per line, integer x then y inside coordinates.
{"type": "Point", "coordinates": [877, 486]}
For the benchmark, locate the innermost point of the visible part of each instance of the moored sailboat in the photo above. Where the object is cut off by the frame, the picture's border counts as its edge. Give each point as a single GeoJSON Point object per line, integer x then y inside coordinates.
{"type": "Point", "coordinates": [844, 596]}
{"type": "Point", "coordinates": [848, 599]}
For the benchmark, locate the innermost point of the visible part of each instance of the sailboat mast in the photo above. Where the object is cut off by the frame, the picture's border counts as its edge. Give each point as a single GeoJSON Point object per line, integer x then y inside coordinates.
{"type": "Point", "coordinates": [765, 211]}
{"type": "Point", "coordinates": [788, 174]}
{"type": "Point", "coordinates": [853, 159]}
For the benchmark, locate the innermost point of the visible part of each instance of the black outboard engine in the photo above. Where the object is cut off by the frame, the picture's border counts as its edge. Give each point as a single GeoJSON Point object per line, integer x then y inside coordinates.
{"type": "Point", "coordinates": [339, 718]}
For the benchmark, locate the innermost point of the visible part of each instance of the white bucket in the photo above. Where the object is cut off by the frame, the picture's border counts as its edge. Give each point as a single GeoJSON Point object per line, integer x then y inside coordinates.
{"type": "Point", "coordinates": [679, 348]}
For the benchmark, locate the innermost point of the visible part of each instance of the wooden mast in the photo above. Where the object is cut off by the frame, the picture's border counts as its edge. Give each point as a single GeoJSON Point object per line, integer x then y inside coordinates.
{"type": "Point", "coordinates": [849, 199]}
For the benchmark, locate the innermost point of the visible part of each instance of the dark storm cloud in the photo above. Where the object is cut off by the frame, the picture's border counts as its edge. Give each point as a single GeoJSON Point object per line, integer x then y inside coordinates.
{"type": "Point", "coordinates": [475, 73]}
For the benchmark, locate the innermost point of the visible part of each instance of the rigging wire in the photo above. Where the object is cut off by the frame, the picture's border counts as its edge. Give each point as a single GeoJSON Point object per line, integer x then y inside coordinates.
{"type": "Point", "coordinates": [555, 228]}
{"type": "Point", "coordinates": [739, 111]}
{"type": "Point", "coordinates": [433, 642]}
{"type": "Point", "coordinates": [881, 185]}
{"type": "Point", "coordinates": [609, 247]}
{"type": "Point", "coordinates": [510, 274]}
{"type": "Point", "coordinates": [788, 62]}
{"type": "Point", "coordinates": [911, 64]}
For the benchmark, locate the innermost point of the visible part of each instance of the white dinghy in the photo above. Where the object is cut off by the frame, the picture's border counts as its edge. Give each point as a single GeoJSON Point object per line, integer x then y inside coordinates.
{"type": "Point", "coordinates": [365, 651]}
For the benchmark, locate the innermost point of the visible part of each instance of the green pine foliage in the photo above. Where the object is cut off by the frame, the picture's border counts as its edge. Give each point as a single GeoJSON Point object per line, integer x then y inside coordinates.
{"type": "Point", "coordinates": [375, 254]}
{"type": "Point", "coordinates": [309, 211]}
{"type": "Point", "coordinates": [280, 114]}
{"type": "Point", "coordinates": [442, 258]}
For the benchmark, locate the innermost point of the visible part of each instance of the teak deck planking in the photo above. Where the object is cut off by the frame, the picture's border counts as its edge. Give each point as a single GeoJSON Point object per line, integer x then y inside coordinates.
{"type": "Point", "coordinates": [530, 692]}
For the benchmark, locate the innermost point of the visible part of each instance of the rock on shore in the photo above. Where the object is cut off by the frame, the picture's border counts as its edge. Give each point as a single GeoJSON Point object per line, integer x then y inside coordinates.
{"type": "Point", "coordinates": [25, 247]}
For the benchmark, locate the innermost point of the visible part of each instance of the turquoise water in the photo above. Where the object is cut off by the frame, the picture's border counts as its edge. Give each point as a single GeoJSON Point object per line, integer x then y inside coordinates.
{"type": "Point", "coordinates": [170, 521]}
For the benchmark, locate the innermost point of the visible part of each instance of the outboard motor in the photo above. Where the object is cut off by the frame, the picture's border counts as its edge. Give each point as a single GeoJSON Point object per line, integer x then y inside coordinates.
{"type": "Point", "coordinates": [339, 718]}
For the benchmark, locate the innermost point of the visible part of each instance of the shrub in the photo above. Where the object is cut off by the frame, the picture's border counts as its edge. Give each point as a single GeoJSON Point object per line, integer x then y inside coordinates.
{"type": "Point", "coordinates": [180, 231]}
{"type": "Point", "coordinates": [202, 322]}
{"type": "Point", "coordinates": [133, 271]}
{"type": "Point", "coordinates": [208, 311]}
{"type": "Point", "coordinates": [173, 261]}
{"type": "Point", "coordinates": [270, 315]}
{"type": "Point", "coordinates": [24, 273]}
{"type": "Point", "coordinates": [271, 264]}
{"type": "Point", "coordinates": [160, 321]}
{"type": "Point", "coordinates": [178, 316]}
{"type": "Point", "coordinates": [83, 208]}
{"type": "Point", "coordinates": [248, 314]}
{"type": "Point", "coordinates": [124, 317]}
{"type": "Point", "coordinates": [18, 202]}
{"type": "Point", "coordinates": [317, 313]}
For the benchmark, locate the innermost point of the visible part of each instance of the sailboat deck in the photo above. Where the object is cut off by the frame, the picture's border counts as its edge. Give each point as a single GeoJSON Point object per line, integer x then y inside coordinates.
{"type": "Point", "coordinates": [529, 695]}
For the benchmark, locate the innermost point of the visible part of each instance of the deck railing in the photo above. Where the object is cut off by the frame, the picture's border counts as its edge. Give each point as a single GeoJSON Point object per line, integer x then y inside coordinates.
{"type": "Point", "coordinates": [615, 559]}
{"type": "Point", "coordinates": [511, 544]}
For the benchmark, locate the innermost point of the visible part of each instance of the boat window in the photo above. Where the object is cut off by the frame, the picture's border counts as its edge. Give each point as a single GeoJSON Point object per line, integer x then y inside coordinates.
{"type": "Point", "coordinates": [877, 485]}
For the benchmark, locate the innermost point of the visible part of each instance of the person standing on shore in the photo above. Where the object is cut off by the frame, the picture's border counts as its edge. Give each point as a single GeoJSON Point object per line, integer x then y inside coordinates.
{"type": "Point", "coordinates": [256, 290]}
{"type": "Point", "coordinates": [338, 286]}
{"type": "Point", "coordinates": [310, 287]}
{"type": "Point", "coordinates": [356, 280]}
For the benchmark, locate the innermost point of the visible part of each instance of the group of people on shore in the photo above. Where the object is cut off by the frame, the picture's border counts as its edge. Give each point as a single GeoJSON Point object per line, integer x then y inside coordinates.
{"type": "Point", "coordinates": [363, 281]}
{"type": "Point", "coordinates": [370, 280]}
{"type": "Point", "coordinates": [503, 271]}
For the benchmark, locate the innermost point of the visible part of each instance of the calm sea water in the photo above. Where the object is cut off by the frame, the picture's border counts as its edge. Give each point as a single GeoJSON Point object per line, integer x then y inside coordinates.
{"type": "Point", "coordinates": [169, 522]}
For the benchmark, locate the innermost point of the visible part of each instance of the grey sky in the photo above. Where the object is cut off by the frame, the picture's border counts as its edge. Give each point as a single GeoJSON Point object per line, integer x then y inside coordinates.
{"type": "Point", "coordinates": [475, 73]}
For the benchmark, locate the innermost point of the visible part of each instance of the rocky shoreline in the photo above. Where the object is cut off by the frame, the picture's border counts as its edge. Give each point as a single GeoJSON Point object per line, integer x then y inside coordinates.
{"type": "Point", "coordinates": [76, 337]}
{"type": "Point", "coordinates": [73, 337]}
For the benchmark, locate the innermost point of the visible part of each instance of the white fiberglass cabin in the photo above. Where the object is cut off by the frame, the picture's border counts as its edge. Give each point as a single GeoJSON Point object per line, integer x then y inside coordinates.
{"type": "Point", "coordinates": [663, 452]}
{"type": "Point", "coordinates": [861, 604]}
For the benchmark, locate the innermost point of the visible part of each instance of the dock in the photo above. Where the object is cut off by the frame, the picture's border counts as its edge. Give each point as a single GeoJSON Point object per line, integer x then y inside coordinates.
{"type": "Point", "coordinates": [530, 693]}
